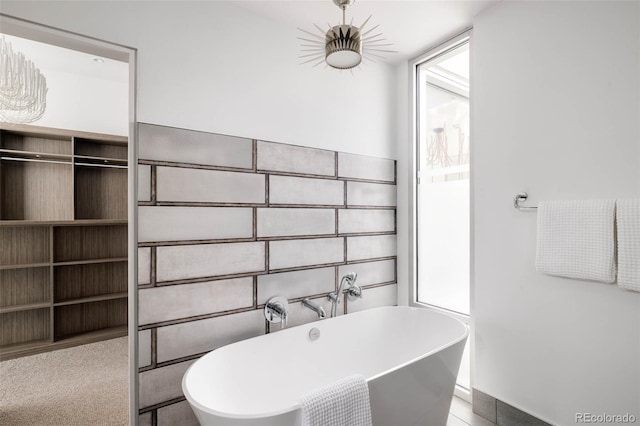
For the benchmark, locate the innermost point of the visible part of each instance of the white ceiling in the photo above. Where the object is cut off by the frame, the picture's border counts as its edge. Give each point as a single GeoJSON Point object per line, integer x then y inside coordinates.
{"type": "Point", "coordinates": [412, 26]}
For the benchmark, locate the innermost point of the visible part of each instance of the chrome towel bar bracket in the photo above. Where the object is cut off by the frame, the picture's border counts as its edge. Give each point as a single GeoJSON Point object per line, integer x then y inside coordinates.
{"type": "Point", "coordinates": [519, 199]}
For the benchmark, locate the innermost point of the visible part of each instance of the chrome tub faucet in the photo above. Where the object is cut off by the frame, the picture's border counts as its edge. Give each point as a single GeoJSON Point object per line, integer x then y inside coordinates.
{"type": "Point", "coordinates": [315, 308]}
{"type": "Point", "coordinates": [276, 310]}
{"type": "Point", "coordinates": [353, 291]}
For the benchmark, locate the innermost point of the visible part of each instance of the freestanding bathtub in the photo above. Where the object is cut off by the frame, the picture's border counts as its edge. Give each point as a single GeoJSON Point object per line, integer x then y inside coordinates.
{"type": "Point", "coordinates": [409, 357]}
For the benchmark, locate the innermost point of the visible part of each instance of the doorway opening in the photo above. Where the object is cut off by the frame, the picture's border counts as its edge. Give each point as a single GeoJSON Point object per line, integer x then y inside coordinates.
{"type": "Point", "coordinates": [66, 227]}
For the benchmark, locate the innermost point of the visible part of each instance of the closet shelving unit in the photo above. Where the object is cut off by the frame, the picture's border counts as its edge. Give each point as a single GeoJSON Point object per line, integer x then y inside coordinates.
{"type": "Point", "coordinates": [63, 234]}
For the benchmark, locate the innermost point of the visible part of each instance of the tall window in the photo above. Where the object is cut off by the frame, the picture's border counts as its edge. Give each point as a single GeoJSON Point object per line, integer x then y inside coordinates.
{"type": "Point", "coordinates": [443, 215]}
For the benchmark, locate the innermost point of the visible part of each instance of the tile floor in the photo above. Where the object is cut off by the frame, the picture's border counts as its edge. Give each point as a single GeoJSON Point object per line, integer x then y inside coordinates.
{"type": "Point", "coordinates": [461, 414]}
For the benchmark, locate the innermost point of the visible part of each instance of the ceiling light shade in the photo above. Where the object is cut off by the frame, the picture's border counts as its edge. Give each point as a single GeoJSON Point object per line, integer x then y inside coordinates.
{"type": "Point", "coordinates": [343, 46]}
{"type": "Point", "coordinates": [343, 49]}
{"type": "Point", "coordinates": [23, 88]}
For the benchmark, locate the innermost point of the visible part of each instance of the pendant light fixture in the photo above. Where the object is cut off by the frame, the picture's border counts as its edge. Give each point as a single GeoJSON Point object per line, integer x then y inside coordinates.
{"type": "Point", "coordinates": [343, 46]}
{"type": "Point", "coordinates": [23, 88]}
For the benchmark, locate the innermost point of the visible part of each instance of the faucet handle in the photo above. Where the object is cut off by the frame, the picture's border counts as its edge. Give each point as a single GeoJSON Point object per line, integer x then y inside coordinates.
{"type": "Point", "coordinates": [276, 310]}
{"type": "Point", "coordinates": [354, 292]}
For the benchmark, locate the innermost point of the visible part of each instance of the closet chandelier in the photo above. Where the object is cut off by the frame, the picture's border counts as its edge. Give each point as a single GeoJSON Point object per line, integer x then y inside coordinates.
{"type": "Point", "coordinates": [343, 46]}
{"type": "Point", "coordinates": [23, 88]}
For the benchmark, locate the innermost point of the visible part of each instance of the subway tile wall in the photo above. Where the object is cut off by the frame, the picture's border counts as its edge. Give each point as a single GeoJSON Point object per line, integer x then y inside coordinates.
{"type": "Point", "coordinates": [225, 223]}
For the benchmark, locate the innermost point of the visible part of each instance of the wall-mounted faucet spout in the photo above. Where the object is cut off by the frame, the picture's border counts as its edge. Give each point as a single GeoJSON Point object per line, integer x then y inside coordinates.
{"type": "Point", "coordinates": [353, 291]}
{"type": "Point", "coordinates": [315, 308]}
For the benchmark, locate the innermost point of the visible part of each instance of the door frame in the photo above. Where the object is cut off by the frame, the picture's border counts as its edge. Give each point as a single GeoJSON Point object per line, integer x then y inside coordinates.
{"type": "Point", "coordinates": [432, 52]}
{"type": "Point", "coordinates": [54, 36]}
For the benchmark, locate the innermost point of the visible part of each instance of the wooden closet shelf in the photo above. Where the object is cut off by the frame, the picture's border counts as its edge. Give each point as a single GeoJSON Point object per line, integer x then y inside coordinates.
{"type": "Point", "coordinates": [22, 349]}
{"type": "Point", "coordinates": [49, 132]}
{"type": "Point", "coordinates": [90, 336]}
{"type": "Point", "coordinates": [24, 266]}
{"type": "Point", "coordinates": [28, 307]}
{"type": "Point", "coordinates": [79, 222]}
{"type": "Point", "coordinates": [48, 178]}
{"type": "Point", "coordinates": [36, 346]}
{"type": "Point", "coordinates": [99, 298]}
{"type": "Point", "coordinates": [92, 261]}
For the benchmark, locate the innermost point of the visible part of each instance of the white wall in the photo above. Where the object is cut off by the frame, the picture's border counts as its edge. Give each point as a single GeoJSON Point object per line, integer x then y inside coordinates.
{"type": "Point", "coordinates": [556, 112]}
{"type": "Point", "coordinates": [404, 176]}
{"type": "Point", "coordinates": [79, 102]}
{"type": "Point", "coordinates": [216, 67]}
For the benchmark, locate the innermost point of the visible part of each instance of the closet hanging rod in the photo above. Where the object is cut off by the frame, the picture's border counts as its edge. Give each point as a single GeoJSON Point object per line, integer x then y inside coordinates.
{"type": "Point", "coordinates": [519, 199]}
{"type": "Point", "coordinates": [35, 160]}
{"type": "Point", "coordinates": [109, 166]}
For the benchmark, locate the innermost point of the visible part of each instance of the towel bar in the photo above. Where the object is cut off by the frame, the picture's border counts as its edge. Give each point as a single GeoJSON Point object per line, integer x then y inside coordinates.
{"type": "Point", "coordinates": [520, 198]}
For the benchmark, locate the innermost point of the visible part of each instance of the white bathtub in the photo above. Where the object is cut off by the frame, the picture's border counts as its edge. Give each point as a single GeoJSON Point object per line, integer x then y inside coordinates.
{"type": "Point", "coordinates": [409, 356]}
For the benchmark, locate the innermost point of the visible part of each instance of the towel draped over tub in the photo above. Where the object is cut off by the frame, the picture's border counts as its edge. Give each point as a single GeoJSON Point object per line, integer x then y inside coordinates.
{"type": "Point", "coordinates": [342, 403]}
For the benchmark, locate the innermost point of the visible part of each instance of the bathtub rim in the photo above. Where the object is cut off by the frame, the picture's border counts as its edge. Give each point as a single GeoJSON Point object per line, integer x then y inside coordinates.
{"type": "Point", "coordinates": [293, 408]}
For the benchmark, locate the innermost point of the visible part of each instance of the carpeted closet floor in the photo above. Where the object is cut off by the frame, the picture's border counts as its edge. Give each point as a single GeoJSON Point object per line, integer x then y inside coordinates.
{"type": "Point", "coordinates": [85, 385]}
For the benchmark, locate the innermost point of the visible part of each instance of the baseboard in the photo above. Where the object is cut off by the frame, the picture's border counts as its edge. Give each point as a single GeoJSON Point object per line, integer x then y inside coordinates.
{"type": "Point", "coordinates": [462, 393]}
{"type": "Point", "coordinates": [501, 413]}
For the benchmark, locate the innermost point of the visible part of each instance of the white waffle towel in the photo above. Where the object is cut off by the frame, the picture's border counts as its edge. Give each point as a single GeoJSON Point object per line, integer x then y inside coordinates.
{"type": "Point", "coordinates": [576, 239]}
{"type": "Point", "coordinates": [628, 218]}
{"type": "Point", "coordinates": [343, 403]}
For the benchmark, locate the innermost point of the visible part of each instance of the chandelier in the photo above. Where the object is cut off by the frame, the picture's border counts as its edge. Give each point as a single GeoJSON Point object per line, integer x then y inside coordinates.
{"type": "Point", "coordinates": [343, 46]}
{"type": "Point", "coordinates": [23, 88]}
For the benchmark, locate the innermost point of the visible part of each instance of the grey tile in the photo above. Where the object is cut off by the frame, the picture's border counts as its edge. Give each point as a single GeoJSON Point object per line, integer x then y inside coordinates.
{"type": "Point", "coordinates": [195, 337]}
{"type": "Point", "coordinates": [351, 221]}
{"type": "Point", "coordinates": [479, 421]}
{"type": "Point", "coordinates": [208, 260]}
{"type": "Point", "coordinates": [484, 405]}
{"type": "Point", "coordinates": [305, 191]}
{"type": "Point", "coordinates": [459, 405]}
{"type": "Point", "coordinates": [296, 284]}
{"type": "Point", "coordinates": [511, 416]}
{"type": "Point", "coordinates": [144, 348]}
{"type": "Point", "coordinates": [382, 271]}
{"type": "Point", "coordinates": [299, 314]}
{"type": "Point", "coordinates": [461, 409]}
{"type": "Point", "coordinates": [188, 146]}
{"type": "Point", "coordinates": [294, 253]}
{"type": "Point", "coordinates": [161, 384]}
{"type": "Point", "coordinates": [179, 414]}
{"type": "Point", "coordinates": [295, 159]}
{"type": "Point", "coordinates": [187, 300]}
{"type": "Point", "coordinates": [454, 421]}
{"type": "Point", "coordinates": [371, 194]}
{"type": "Point", "coordinates": [162, 223]}
{"type": "Point", "coordinates": [371, 247]}
{"type": "Point", "coordinates": [280, 222]}
{"type": "Point", "coordinates": [144, 182]}
{"type": "Point", "coordinates": [144, 265]}
{"type": "Point", "coordinates": [144, 419]}
{"type": "Point", "coordinates": [362, 167]}
{"type": "Point", "coordinates": [476, 420]}
{"type": "Point", "coordinates": [374, 297]}
{"type": "Point", "coordinates": [179, 184]}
